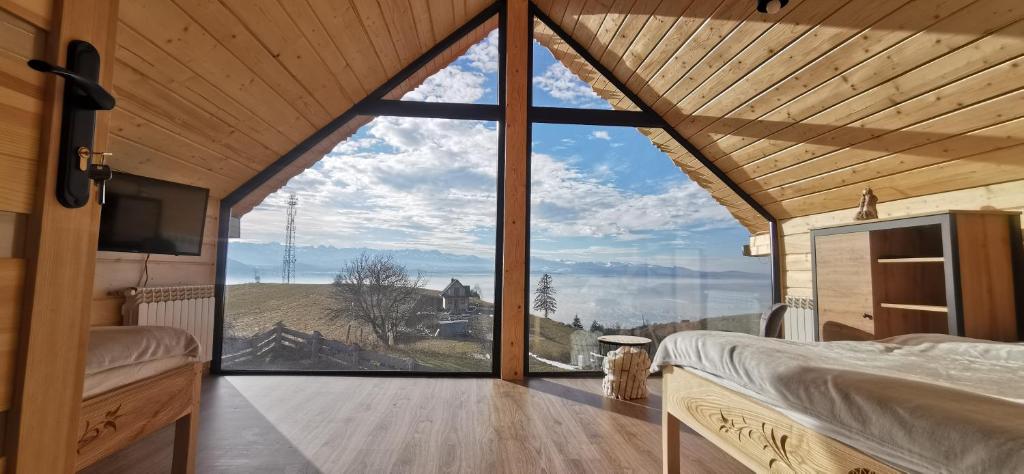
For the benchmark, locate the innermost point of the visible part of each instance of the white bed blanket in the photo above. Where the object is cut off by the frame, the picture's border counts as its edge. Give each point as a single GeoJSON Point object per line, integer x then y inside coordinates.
{"type": "Point", "coordinates": [921, 402]}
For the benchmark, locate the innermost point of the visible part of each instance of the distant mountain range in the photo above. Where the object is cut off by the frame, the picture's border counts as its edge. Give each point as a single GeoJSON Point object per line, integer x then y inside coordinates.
{"type": "Point", "coordinates": [245, 257]}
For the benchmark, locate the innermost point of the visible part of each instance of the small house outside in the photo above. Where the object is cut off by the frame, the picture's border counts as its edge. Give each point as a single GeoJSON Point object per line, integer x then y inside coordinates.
{"type": "Point", "coordinates": [455, 297]}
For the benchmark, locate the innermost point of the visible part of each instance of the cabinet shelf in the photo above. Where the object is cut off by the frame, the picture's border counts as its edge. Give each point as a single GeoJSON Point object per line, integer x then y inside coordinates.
{"type": "Point", "coordinates": [916, 307]}
{"type": "Point", "coordinates": [912, 260]}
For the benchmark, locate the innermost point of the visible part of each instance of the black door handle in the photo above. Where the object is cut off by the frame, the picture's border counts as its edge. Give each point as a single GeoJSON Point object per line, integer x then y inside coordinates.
{"type": "Point", "coordinates": [868, 316]}
{"type": "Point", "coordinates": [94, 96]}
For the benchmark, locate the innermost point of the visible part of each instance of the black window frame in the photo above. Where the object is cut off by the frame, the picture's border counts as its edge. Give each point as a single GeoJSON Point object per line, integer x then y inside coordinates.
{"type": "Point", "coordinates": [375, 105]}
{"type": "Point", "coordinates": [646, 117]}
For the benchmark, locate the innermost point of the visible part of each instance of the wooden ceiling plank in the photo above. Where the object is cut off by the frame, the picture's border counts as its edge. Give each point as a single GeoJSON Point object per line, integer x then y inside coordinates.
{"type": "Point", "coordinates": [383, 43]}
{"type": "Point", "coordinates": [148, 161]}
{"type": "Point", "coordinates": [591, 17]}
{"type": "Point", "coordinates": [323, 45]}
{"type": "Point", "coordinates": [700, 44]}
{"type": "Point", "coordinates": [876, 40]}
{"type": "Point", "coordinates": [568, 23]}
{"type": "Point", "coordinates": [627, 32]}
{"type": "Point", "coordinates": [999, 166]}
{"type": "Point", "coordinates": [132, 86]}
{"type": "Point", "coordinates": [720, 96]}
{"type": "Point", "coordinates": [696, 16]}
{"type": "Point", "coordinates": [618, 13]}
{"type": "Point", "coordinates": [1009, 133]}
{"type": "Point", "coordinates": [402, 27]}
{"type": "Point", "coordinates": [459, 11]}
{"type": "Point", "coordinates": [197, 128]}
{"type": "Point", "coordinates": [285, 44]}
{"type": "Point", "coordinates": [803, 18]}
{"type": "Point", "coordinates": [650, 33]}
{"type": "Point", "coordinates": [931, 75]}
{"type": "Point", "coordinates": [442, 18]}
{"type": "Point", "coordinates": [174, 31]}
{"type": "Point", "coordinates": [424, 29]}
{"type": "Point", "coordinates": [958, 124]}
{"type": "Point", "coordinates": [131, 127]}
{"type": "Point", "coordinates": [722, 56]}
{"type": "Point", "coordinates": [979, 87]}
{"type": "Point", "coordinates": [179, 81]}
{"type": "Point", "coordinates": [343, 25]}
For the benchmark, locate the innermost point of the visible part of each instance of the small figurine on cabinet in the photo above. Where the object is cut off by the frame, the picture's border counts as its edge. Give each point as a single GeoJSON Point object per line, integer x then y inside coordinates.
{"type": "Point", "coordinates": [867, 210]}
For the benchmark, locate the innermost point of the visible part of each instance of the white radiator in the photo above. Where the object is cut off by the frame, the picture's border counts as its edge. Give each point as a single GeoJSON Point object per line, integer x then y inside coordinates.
{"type": "Point", "coordinates": [184, 307]}
{"type": "Point", "coordinates": [799, 319]}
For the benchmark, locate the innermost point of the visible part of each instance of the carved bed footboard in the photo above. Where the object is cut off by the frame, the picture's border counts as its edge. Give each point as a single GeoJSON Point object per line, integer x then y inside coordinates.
{"type": "Point", "coordinates": [750, 431]}
{"type": "Point", "coordinates": [112, 420]}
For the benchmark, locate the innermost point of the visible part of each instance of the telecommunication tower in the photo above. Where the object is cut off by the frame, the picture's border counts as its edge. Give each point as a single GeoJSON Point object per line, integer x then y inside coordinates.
{"type": "Point", "coordinates": [288, 267]}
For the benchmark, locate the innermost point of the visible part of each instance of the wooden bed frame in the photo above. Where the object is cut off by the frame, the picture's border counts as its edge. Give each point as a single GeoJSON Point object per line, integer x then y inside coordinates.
{"type": "Point", "coordinates": [112, 420]}
{"type": "Point", "coordinates": [757, 435]}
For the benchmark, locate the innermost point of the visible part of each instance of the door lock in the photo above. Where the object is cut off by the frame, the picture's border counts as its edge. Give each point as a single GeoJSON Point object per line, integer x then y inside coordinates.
{"type": "Point", "coordinates": [96, 167]}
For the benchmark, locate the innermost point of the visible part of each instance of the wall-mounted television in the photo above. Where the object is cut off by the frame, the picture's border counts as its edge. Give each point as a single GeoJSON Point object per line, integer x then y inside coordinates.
{"type": "Point", "coordinates": [146, 215]}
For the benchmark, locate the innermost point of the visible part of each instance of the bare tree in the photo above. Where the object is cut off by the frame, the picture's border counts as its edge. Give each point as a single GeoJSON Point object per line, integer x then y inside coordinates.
{"type": "Point", "coordinates": [378, 290]}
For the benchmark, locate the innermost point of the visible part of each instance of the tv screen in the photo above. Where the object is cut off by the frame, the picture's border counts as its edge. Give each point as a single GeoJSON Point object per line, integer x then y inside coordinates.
{"type": "Point", "coordinates": [146, 215]}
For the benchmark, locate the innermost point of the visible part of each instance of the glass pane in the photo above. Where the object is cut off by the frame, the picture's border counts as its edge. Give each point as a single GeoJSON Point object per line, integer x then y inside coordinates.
{"type": "Point", "coordinates": [562, 78]}
{"type": "Point", "coordinates": [471, 78]}
{"type": "Point", "coordinates": [622, 242]}
{"type": "Point", "coordinates": [393, 266]}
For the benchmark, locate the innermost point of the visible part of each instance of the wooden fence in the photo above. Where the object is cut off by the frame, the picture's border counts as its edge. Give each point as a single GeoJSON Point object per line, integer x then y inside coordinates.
{"type": "Point", "coordinates": [315, 347]}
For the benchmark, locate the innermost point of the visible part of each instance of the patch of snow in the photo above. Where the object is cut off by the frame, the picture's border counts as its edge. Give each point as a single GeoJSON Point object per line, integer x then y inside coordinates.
{"type": "Point", "coordinates": [560, 365]}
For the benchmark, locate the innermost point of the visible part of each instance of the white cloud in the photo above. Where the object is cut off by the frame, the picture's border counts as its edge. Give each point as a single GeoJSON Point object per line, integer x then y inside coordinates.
{"type": "Point", "coordinates": [451, 84]}
{"type": "Point", "coordinates": [600, 135]}
{"type": "Point", "coordinates": [566, 202]}
{"type": "Point", "coordinates": [484, 55]}
{"type": "Point", "coordinates": [431, 184]}
{"type": "Point", "coordinates": [562, 84]}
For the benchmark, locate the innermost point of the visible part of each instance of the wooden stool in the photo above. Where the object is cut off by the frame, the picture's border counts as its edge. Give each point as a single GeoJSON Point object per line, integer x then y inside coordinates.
{"type": "Point", "coordinates": [626, 367]}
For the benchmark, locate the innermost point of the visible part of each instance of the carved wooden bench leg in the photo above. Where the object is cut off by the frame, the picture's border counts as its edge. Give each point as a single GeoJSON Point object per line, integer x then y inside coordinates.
{"type": "Point", "coordinates": [669, 443]}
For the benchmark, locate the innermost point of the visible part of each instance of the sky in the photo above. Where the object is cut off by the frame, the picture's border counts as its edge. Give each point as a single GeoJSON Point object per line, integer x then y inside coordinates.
{"type": "Point", "coordinates": [597, 193]}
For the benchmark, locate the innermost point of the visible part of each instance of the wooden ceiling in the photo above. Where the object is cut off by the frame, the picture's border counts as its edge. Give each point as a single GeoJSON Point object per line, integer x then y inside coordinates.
{"type": "Point", "coordinates": [805, 108]}
{"type": "Point", "coordinates": [802, 109]}
{"type": "Point", "coordinates": [211, 92]}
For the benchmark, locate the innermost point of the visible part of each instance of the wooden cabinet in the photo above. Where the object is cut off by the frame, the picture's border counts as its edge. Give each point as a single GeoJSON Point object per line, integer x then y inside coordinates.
{"type": "Point", "coordinates": [950, 272]}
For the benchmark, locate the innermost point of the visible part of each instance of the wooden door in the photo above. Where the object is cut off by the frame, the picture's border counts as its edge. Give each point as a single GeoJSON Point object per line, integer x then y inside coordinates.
{"type": "Point", "coordinates": [843, 281]}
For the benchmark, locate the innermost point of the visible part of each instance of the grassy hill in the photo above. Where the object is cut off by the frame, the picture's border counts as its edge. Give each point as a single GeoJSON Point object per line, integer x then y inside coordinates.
{"type": "Point", "coordinates": [254, 307]}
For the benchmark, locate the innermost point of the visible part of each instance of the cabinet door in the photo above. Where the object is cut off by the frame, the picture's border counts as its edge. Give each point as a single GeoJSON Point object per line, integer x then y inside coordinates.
{"type": "Point", "coordinates": [843, 278]}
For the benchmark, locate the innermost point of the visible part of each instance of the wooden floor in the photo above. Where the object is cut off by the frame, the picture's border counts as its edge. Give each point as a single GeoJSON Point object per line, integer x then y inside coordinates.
{"type": "Point", "coordinates": [292, 424]}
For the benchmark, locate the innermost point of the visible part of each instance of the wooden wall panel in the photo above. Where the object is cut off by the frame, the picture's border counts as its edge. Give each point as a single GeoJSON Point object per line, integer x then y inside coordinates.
{"type": "Point", "coordinates": [12, 290]}
{"type": "Point", "coordinates": [36, 12]}
{"type": "Point", "coordinates": [21, 111]}
{"type": "Point", "coordinates": [22, 98]}
{"type": "Point", "coordinates": [796, 243]}
{"type": "Point", "coordinates": [42, 420]}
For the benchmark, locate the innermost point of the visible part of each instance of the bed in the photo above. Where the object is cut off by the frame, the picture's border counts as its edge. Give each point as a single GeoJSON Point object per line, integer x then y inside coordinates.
{"type": "Point", "coordinates": [138, 380]}
{"type": "Point", "coordinates": [912, 403]}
